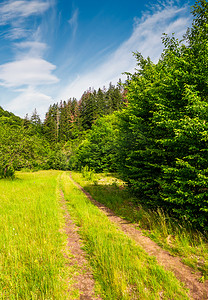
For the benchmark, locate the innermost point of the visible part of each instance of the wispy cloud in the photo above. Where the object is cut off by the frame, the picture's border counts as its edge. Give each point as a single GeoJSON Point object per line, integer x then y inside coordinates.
{"type": "Point", "coordinates": [30, 49]}
{"type": "Point", "coordinates": [16, 33]}
{"type": "Point", "coordinates": [28, 100]}
{"type": "Point", "coordinates": [28, 71]}
{"type": "Point", "coordinates": [145, 38]}
{"type": "Point", "coordinates": [13, 10]}
{"type": "Point", "coordinates": [15, 15]}
{"type": "Point", "coordinates": [74, 21]}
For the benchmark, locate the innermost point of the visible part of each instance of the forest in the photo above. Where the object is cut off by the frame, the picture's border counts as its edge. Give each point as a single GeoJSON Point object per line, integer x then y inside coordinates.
{"type": "Point", "coordinates": [151, 130]}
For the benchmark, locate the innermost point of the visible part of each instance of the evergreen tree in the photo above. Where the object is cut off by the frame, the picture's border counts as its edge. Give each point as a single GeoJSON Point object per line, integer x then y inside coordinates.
{"type": "Point", "coordinates": [100, 103]}
{"type": "Point", "coordinates": [63, 121]}
{"type": "Point", "coordinates": [113, 99]}
{"type": "Point", "coordinates": [51, 123]}
{"type": "Point", "coordinates": [36, 121]}
{"type": "Point", "coordinates": [87, 109]}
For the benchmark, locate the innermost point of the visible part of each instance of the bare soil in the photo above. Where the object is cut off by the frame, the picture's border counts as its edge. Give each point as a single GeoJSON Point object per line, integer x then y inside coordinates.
{"type": "Point", "coordinates": [83, 280]}
{"type": "Point", "coordinates": [197, 290]}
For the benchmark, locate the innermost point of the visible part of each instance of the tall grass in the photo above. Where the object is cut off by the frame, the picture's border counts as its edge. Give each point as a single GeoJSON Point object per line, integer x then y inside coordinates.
{"type": "Point", "coordinates": [123, 270]}
{"type": "Point", "coordinates": [178, 238]}
{"type": "Point", "coordinates": [32, 263]}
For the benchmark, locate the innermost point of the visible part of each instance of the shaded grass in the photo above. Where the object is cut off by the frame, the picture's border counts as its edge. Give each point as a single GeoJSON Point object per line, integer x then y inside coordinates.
{"type": "Point", "coordinates": [178, 238]}
{"type": "Point", "coordinates": [31, 243]}
{"type": "Point", "coordinates": [122, 268]}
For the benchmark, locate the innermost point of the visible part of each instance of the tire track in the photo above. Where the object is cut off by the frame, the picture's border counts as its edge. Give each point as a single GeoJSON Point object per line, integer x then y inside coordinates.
{"type": "Point", "coordinates": [197, 290]}
{"type": "Point", "coordinates": [83, 281]}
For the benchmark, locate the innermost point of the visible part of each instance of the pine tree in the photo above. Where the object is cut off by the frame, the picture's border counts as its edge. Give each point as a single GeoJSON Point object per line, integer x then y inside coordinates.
{"type": "Point", "coordinates": [51, 123]}
{"type": "Point", "coordinates": [36, 121]}
{"type": "Point", "coordinates": [100, 103]}
{"type": "Point", "coordinates": [87, 109]}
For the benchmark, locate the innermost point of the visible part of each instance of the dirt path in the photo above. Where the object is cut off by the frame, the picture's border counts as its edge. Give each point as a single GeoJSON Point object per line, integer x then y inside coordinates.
{"type": "Point", "coordinates": [198, 291]}
{"type": "Point", "coordinates": [84, 281]}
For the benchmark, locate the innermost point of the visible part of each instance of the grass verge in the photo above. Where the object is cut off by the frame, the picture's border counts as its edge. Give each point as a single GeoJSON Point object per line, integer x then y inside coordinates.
{"type": "Point", "coordinates": [178, 239]}
{"type": "Point", "coordinates": [32, 265]}
{"type": "Point", "coordinates": [122, 268]}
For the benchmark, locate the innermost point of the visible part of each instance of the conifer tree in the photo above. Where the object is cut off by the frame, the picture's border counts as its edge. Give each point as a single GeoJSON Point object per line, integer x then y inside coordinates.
{"type": "Point", "coordinates": [87, 108]}
{"type": "Point", "coordinates": [36, 121]}
{"type": "Point", "coordinates": [100, 103]}
{"type": "Point", "coordinates": [51, 123]}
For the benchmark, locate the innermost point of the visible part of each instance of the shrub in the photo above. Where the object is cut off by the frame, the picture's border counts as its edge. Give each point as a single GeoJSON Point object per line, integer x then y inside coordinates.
{"type": "Point", "coordinates": [57, 160]}
{"type": "Point", "coordinates": [6, 171]}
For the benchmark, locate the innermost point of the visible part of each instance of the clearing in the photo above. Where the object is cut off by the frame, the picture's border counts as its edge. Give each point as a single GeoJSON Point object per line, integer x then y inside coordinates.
{"type": "Point", "coordinates": [57, 242]}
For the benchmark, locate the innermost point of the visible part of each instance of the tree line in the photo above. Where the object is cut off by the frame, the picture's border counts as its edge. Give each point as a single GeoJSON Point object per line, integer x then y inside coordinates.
{"type": "Point", "coordinates": [32, 144]}
{"type": "Point", "coordinates": [66, 120]}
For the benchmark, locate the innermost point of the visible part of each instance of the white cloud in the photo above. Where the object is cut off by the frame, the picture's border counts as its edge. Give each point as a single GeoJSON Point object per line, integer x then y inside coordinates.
{"type": "Point", "coordinates": [12, 10]}
{"type": "Point", "coordinates": [31, 44]}
{"type": "Point", "coordinates": [146, 38]}
{"type": "Point", "coordinates": [16, 33]}
{"type": "Point", "coordinates": [29, 71]}
{"type": "Point", "coordinates": [74, 21]}
{"type": "Point", "coordinates": [31, 48]}
{"type": "Point", "coordinates": [27, 101]}
{"type": "Point", "coordinates": [16, 13]}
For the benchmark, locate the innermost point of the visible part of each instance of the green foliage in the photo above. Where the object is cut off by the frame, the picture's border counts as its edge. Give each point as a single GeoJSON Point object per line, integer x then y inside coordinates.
{"type": "Point", "coordinates": [87, 109]}
{"type": "Point", "coordinates": [164, 129]}
{"type": "Point", "coordinates": [57, 160]}
{"type": "Point", "coordinates": [66, 121]}
{"type": "Point", "coordinates": [20, 146]}
{"type": "Point", "coordinates": [51, 124]}
{"type": "Point", "coordinates": [98, 150]}
{"type": "Point", "coordinates": [88, 174]}
{"type": "Point", "coordinates": [7, 117]}
{"type": "Point", "coordinates": [6, 171]}
{"type": "Point", "coordinates": [96, 104]}
{"type": "Point", "coordinates": [69, 124]}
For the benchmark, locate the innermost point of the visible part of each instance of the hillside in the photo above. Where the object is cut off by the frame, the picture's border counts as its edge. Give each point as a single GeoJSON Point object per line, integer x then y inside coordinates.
{"type": "Point", "coordinates": [9, 118]}
{"type": "Point", "coordinates": [21, 145]}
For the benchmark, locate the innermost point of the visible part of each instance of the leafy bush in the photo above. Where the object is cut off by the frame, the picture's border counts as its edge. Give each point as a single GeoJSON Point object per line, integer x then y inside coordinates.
{"type": "Point", "coordinates": [57, 160]}
{"type": "Point", "coordinates": [89, 174]}
{"type": "Point", "coordinates": [6, 171]}
{"type": "Point", "coordinates": [99, 149]}
{"type": "Point", "coordinates": [21, 148]}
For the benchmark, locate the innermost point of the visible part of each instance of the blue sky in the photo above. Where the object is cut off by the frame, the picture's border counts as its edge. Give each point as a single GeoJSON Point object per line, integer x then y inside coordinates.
{"type": "Point", "coordinates": [52, 50]}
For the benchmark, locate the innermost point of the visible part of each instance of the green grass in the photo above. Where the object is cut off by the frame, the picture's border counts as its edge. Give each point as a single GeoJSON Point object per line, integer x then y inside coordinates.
{"type": "Point", "coordinates": [32, 265]}
{"type": "Point", "coordinates": [122, 268]}
{"type": "Point", "coordinates": [32, 241]}
{"type": "Point", "coordinates": [178, 238]}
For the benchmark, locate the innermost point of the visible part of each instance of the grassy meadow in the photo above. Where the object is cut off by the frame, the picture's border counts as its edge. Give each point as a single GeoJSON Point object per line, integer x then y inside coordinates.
{"type": "Point", "coordinates": [178, 238]}
{"type": "Point", "coordinates": [122, 268]}
{"type": "Point", "coordinates": [31, 243]}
